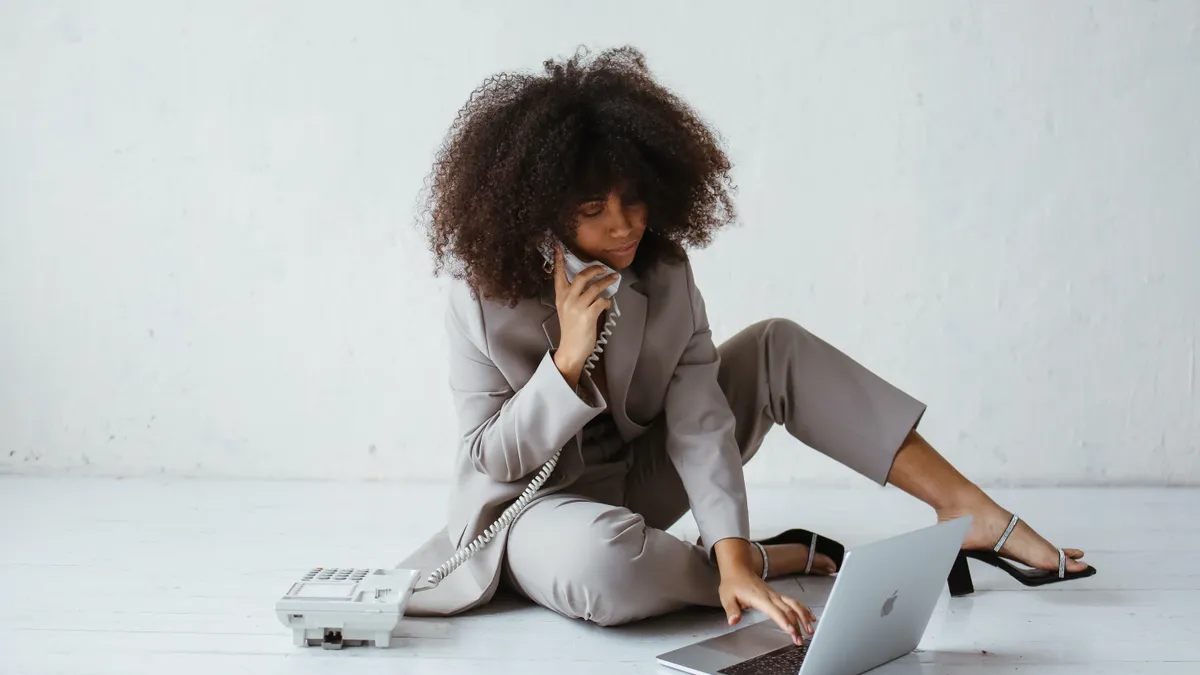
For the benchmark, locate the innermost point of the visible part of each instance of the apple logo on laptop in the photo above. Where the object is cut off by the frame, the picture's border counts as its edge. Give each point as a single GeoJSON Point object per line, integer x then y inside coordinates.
{"type": "Point", "coordinates": [889, 604]}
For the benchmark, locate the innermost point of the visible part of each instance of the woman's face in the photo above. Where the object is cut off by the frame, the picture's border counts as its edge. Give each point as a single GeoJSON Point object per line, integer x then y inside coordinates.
{"type": "Point", "coordinates": [609, 229]}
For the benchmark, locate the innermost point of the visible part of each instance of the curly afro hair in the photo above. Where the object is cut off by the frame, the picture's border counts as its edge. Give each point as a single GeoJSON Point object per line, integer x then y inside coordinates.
{"type": "Point", "coordinates": [526, 150]}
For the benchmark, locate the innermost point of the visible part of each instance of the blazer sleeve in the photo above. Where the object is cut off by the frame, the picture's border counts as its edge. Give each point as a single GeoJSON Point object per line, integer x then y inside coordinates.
{"type": "Point", "coordinates": [509, 433]}
{"type": "Point", "coordinates": [700, 435]}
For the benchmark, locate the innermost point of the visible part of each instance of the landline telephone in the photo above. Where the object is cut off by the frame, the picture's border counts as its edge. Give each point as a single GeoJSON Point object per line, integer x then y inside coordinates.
{"type": "Point", "coordinates": [334, 607]}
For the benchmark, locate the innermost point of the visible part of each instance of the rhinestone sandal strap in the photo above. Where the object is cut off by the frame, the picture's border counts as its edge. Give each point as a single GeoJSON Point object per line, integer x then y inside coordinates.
{"type": "Point", "coordinates": [766, 563]}
{"type": "Point", "coordinates": [812, 553]}
{"type": "Point", "coordinates": [1004, 537]}
{"type": "Point", "coordinates": [1062, 564]}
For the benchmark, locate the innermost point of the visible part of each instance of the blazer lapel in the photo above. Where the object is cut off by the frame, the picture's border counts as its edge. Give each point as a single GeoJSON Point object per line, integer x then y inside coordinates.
{"type": "Point", "coordinates": [625, 345]}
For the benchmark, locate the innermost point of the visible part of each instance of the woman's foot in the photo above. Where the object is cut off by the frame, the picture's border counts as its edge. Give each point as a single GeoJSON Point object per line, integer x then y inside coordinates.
{"type": "Point", "coordinates": [788, 559]}
{"type": "Point", "coordinates": [1024, 545]}
{"type": "Point", "coordinates": [922, 472]}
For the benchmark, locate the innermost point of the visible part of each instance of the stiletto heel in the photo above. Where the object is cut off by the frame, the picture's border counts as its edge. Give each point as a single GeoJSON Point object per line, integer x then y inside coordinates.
{"type": "Point", "coordinates": [959, 580]}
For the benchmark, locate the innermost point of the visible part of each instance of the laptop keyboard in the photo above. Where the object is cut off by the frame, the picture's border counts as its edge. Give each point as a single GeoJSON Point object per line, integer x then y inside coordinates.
{"type": "Point", "coordinates": [782, 661]}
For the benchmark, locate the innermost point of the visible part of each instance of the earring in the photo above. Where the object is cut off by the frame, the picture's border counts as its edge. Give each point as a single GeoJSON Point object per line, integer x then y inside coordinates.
{"type": "Point", "coordinates": [548, 266]}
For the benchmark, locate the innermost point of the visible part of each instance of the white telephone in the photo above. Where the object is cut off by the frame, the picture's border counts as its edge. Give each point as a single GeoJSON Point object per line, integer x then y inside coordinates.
{"type": "Point", "coordinates": [334, 607]}
{"type": "Point", "coordinates": [575, 265]}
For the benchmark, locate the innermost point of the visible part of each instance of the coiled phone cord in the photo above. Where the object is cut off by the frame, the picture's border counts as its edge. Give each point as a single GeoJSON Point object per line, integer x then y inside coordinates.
{"type": "Point", "coordinates": [510, 514]}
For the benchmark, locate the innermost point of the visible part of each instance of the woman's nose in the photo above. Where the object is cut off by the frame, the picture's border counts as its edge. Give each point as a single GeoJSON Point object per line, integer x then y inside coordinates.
{"type": "Point", "coordinates": [620, 227]}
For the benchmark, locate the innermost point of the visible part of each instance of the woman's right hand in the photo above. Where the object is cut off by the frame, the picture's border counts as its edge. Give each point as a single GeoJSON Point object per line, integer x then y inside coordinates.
{"type": "Point", "coordinates": [579, 308]}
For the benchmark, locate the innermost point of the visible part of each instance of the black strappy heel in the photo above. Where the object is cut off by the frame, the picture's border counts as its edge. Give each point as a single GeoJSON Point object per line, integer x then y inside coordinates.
{"type": "Point", "coordinates": [960, 582]}
{"type": "Point", "coordinates": [815, 543]}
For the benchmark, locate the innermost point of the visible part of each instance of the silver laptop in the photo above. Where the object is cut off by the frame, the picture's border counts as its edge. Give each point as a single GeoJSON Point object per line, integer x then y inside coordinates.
{"type": "Point", "coordinates": [881, 603]}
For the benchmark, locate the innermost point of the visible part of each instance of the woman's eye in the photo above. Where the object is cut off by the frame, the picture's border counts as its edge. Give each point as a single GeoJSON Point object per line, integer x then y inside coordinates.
{"type": "Point", "coordinates": [591, 210]}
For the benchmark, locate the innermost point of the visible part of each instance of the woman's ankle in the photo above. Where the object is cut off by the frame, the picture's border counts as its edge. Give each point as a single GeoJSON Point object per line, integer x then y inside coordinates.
{"type": "Point", "coordinates": [969, 501]}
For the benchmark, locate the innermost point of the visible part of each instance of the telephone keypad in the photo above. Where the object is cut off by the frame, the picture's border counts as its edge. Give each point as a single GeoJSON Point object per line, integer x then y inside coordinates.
{"type": "Point", "coordinates": [335, 574]}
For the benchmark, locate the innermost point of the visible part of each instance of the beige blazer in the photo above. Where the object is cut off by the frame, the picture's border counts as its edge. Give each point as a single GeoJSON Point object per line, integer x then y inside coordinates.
{"type": "Point", "coordinates": [515, 410]}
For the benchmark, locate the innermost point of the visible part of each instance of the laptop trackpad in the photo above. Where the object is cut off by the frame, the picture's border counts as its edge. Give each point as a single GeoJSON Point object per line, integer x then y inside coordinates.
{"type": "Point", "coordinates": [750, 641]}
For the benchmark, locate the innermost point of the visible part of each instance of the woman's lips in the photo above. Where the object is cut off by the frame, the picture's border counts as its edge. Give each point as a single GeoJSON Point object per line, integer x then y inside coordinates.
{"type": "Point", "coordinates": [625, 249]}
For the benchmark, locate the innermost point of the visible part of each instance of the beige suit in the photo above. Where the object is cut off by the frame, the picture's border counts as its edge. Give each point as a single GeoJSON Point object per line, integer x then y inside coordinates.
{"type": "Point", "coordinates": [682, 416]}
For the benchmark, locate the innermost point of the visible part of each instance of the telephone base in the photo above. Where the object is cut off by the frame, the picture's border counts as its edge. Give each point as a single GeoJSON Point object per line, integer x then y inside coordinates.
{"type": "Point", "coordinates": [336, 639]}
{"type": "Point", "coordinates": [340, 607]}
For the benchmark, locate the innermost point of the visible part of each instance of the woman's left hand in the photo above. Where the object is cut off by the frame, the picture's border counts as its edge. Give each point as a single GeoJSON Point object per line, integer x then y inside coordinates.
{"type": "Point", "coordinates": [742, 589]}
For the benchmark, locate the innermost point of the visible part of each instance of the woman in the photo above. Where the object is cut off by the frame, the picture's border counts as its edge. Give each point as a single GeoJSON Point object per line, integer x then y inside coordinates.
{"type": "Point", "coordinates": [595, 154]}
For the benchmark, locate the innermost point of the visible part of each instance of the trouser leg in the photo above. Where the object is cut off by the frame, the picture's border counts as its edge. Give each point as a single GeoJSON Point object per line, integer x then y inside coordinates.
{"type": "Point", "coordinates": [774, 373]}
{"type": "Point", "coordinates": [599, 562]}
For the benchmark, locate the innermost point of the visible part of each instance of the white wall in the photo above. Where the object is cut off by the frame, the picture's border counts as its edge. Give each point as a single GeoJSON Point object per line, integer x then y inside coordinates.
{"type": "Point", "coordinates": [208, 264]}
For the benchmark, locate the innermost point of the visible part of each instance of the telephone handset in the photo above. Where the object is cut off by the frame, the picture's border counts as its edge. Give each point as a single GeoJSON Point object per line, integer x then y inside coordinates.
{"type": "Point", "coordinates": [573, 267]}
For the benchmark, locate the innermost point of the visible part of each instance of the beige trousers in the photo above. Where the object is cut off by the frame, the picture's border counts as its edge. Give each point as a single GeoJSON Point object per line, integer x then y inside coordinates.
{"type": "Point", "coordinates": [599, 552]}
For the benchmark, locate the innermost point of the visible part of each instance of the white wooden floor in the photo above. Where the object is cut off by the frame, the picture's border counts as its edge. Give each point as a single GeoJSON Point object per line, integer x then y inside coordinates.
{"type": "Point", "coordinates": [154, 576]}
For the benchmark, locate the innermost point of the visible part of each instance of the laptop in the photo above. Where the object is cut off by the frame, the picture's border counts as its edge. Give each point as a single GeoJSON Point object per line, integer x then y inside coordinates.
{"type": "Point", "coordinates": [882, 599]}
